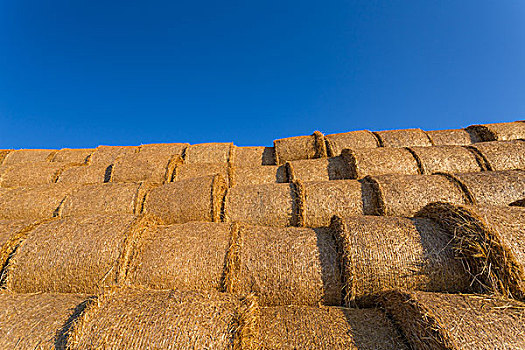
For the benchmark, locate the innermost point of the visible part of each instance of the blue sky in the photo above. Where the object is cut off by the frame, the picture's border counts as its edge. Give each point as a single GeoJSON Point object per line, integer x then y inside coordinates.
{"type": "Point", "coordinates": [83, 73]}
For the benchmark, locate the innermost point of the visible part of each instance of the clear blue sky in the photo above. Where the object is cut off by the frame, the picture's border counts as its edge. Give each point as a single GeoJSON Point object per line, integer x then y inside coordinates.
{"type": "Point", "coordinates": [82, 73]}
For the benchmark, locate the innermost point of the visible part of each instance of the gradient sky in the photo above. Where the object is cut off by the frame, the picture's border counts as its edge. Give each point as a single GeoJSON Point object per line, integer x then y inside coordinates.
{"type": "Point", "coordinates": [83, 73]}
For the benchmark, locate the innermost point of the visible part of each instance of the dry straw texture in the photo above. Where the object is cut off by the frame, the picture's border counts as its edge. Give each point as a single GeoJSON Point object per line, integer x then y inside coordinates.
{"type": "Point", "coordinates": [37, 321]}
{"type": "Point", "coordinates": [38, 202]}
{"type": "Point", "coordinates": [106, 155]}
{"type": "Point", "coordinates": [494, 187]}
{"type": "Point", "coordinates": [142, 319]}
{"type": "Point", "coordinates": [70, 155]}
{"type": "Point", "coordinates": [490, 240]}
{"type": "Point", "coordinates": [208, 153]}
{"type": "Point", "coordinates": [257, 175]}
{"type": "Point", "coordinates": [70, 255]}
{"type": "Point", "coordinates": [300, 147]}
{"type": "Point", "coordinates": [284, 266]}
{"type": "Point", "coordinates": [453, 159]}
{"type": "Point", "coordinates": [388, 253]}
{"type": "Point", "coordinates": [267, 204]}
{"type": "Point", "coordinates": [380, 161]}
{"type": "Point", "coordinates": [197, 199]}
{"type": "Point", "coordinates": [193, 170]}
{"type": "Point", "coordinates": [85, 174]}
{"type": "Point", "coordinates": [137, 167]}
{"type": "Point", "coordinates": [3, 154]}
{"type": "Point", "coordinates": [433, 321]}
{"type": "Point", "coordinates": [12, 232]}
{"type": "Point", "coordinates": [336, 143]}
{"type": "Point", "coordinates": [502, 155]}
{"type": "Point", "coordinates": [186, 256]}
{"type": "Point", "coordinates": [403, 138]}
{"type": "Point", "coordinates": [31, 174]}
{"type": "Point", "coordinates": [252, 156]}
{"type": "Point", "coordinates": [451, 137]}
{"type": "Point", "coordinates": [106, 198]}
{"type": "Point", "coordinates": [29, 156]}
{"type": "Point", "coordinates": [327, 328]}
{"type": "Point", "coordinates": [405, 195]}
{"type": "Point", "coordinates": [322, 169]}
{"type": "Point", "coordinates": [499, 131]}
{"type": "Point", "coordinates": [163, 149]}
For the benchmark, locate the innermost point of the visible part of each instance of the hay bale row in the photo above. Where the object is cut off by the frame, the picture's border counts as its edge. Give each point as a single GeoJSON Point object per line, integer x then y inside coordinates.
{"type": "Point", "coordinates": [316, 328]}
{"type": "Point", "coordinates": [321, 169]}
{"type": "Point", "coordinates": [498, 131]}
{"type": "Point", "coordinates": [29, 156]}
{"type": "Point", "coordinates": [447, 321]}
{"type": "Point", "coordinates": [72, 155]}
{"type": "Point", "coordinates": [490, 240]}
{"type": "Point", "coordinates": [208, 153]}
{"type": "Point", "coordinates": [32, 174]}
{"type": "Point", "coordinates": [403, 138]}
{"type": "Point", "coordinates": [252, 156]}
{"type": "Point", "coordinates": [336, 143]}
{"type": "Point", "coordinates": [452, 137]}
{"type": "Point", "coordinates": [380, 161]}
{"type": "Point", "coordinates": [387, 253]}
{"type": "Point", "coordinates": [502, 155]}
{"type": "Point", "coordinates": [38, 321]}
{"type": "Point", "coordinates": [300, 147]}
{"type": "Point", "coordinates": [139, 319]}
{"type": "Point", "coordinates": [85, 174]}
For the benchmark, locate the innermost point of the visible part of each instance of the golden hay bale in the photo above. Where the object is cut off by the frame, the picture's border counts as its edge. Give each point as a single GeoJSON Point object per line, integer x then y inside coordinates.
{"type": "Point", "coordinates": [405, 195]}
{"type": "Point", "coordinates": [12, 232]}
{"type": "Point", "coordinates": [300, 147]}
{"type": "Point", "coordinates": [321, 169]}
{"type": "Point", "coordinates": [266, 204]}
{"type": "Point", "coordinates": [72, 255]}
{"type": "Point", "coordinates": [499, 131]}
{"type": "Point", "coordinates": [186, 256]}
{"type": "Point", "coordinates": [435, 321]}
{"type": "Point", "coordinates": [138, 167]}
{"type": "Point", "coordinates": [452, 159]}
{"type": "Point", "coordinates": [197, 199]}
{"type": "Point", "coordinates": [209, 153]}
{"type": "Point", "coordinates": [3, 154]}
{"type": "Point", "coordinates": [380, 161]}
{"type": "Point", "coordinates": [336, 143]}
{"type": "Point", "coordinates": [502, 155]}
{"type": "Point", "coordinates": [142, 319]}
{"type": "Point", "coordinates": [38, 202]}
{"type": "Point", "coordinates": [72, 155]}
{"type": "Point", "coordinates": [163, 149]}
{"type": "Point", "coordinates": [262, 174]}
{"type": "Point", "coordinates": [323, 199]}
{"type": "Point", "coordinates": [37, 321]}
{"type": "Point", "coordinates": [386, 253]}
{"type": "Point", "coordinates": [105, 198]}
{"type": "Point", "coordinates": [403, 138]}
{"type": "Point", "coordinates": [85, 174]}
{"type": "Point", "coordinates": [192, 170]}
{"type": "Point", "coordinates": [29, 155]}
{"type": "Point", "coordinates": [31, 174]}
{"type": "Point", "coordinates": [493, 187]}
{"type": "Point", "coordinates": [252, 156]}
{"type": "Point", "coordinates": [320, 328]}
{"type": "Point", "coordinates": [106, 155]}
{"type": "Point", "coordinates": [283, 266]}
{"type": "Point", "coordinates": [451, 137]}
{"type": "Point", "coordinates": [491, 241]}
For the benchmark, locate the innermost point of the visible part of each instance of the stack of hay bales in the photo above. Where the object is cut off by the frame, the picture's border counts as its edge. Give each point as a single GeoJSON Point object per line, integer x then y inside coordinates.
{"type": "Point", "coordinates": [452, 137]}
{"type": "Point", "coordinates": [499, 131]}
{"type": "Point", "coordinates": [300, 147]}
{"type": "Point", "coordinates": [336, 143]}
{"type": "Point", "coordinates": [502, 155]}
{"type": "Point", "coordinates": [403, 138]}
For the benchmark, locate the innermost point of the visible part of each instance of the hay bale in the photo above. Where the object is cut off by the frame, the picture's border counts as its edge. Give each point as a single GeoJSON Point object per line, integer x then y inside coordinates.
{"type": "Point", "coordinates": [451, 137]}
{"type": "Point", "coordinates": [37, 321]}
{"type": "Point", "coordinates": [209, 153]}
{"type": "Point", "coordinates": [106, 155]}
{"type": "Point", "coordinates": [318, 328]}
{"type": "Point", "coordinates": [490, 240]}
{"type": "Point", "coordinates": [12, 232]}
{"type": "Point", "coordinates": [147, 167]}
{"type": "Point", "coordinates": [3, 154]}
{"type": "Point", "coordinates": [70, 255]}
{"type": "Point", "coordinates": [192, 170]}
{"type": "Point", "coordinates": [106, 198]}
{"type": "Point", "coordinates": [493, 187]}
{"type": "Point", "coordinates": [453, 159]}
{"type": "Point", "coordinates": [321, 169]}
{"type": "Point", "coordinates": [31, 174]}
{"type": "Point", "coordinates": [138, 319]}
{"type": "Point", "coordinates": [284, 266]}
{"type": "Point", "coordinates": [387, 253]}
{"type": "Point", "coordinates": [403, 138]}
{"type": "Point", "coordinates": [300, 147]}
{"type": "Point", "coordinates": [28, 156]}
{"type": "Point", "coordinates": [196, 199]}
{"type": "Point", "coordinates": [502, 155]}
{"type": "Point", "coordinates": [72, 155]}
{"type": "Point", "coordinates": [380, 161]}
{"type": "Point", "coordinates": [447, 321]}
{"type": "Point", "coordinates": [163, 149]}
{"type": "Point", "coordinates": [186, 256]}
{"type": "Point", "coordinates": [499, 131]}
{"type": "Point", "coordinates": [324, 199]}
{"type": "Point", "coordinates": [262, 174]}
{"type": "Point", "coordinates": [85, 174]}
{"type": "Point", "coordinates": [336, 143]}
{"type": "Point", "coordinates": [252, 156]}
{"type": "Point", "coordinates": [266, 204]}
{"type": "Point", "coordinates": [40, 202]}
{"type": "Point", "coordinates": [405, 195]}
